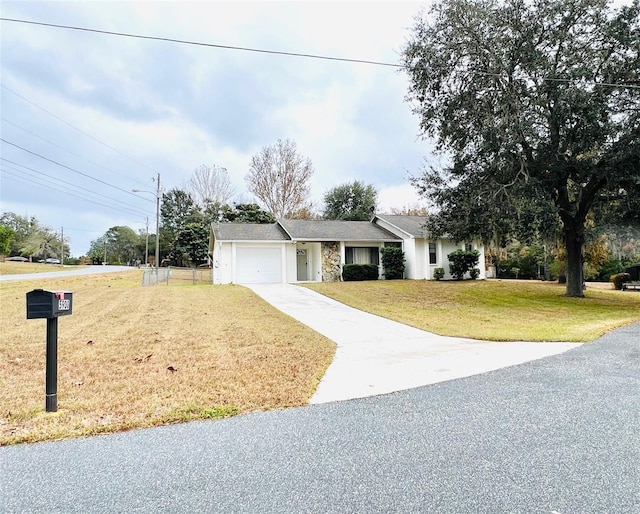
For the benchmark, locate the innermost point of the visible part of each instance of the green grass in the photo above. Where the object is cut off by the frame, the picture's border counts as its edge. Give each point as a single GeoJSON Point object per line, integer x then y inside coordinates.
{"type": "Point", "coordinates": [491, 310]}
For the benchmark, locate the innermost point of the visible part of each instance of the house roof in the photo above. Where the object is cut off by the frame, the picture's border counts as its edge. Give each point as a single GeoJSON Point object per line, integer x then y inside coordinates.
{"type": "Point", "coordinates": [303, 230]}
{"type": "Point", "coordinates": [334, 230]}
{"type": "Point", "coordinates": [412, 225]}
{"type": "Point", "coordinates": [249, 232]}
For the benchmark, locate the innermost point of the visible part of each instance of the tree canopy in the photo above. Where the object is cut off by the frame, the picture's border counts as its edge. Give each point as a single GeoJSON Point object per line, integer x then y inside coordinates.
{"type": "Point", "coordinates": [119, 244]}
{"type": "Point", "coordinates": [31, 238]}
{"type": "Point", "coordinates": [354, 201]}
{"type": "Point", "coordinates": [191, 245]}
{"type": "Point", "coordinates": [177, 209]}
{"type": "Point", "coordinates": [537, 104]}
{"type": "Point", "coordinates": [279, 177]}
{"type": "Point", "coordinates": [210, 185]}
{"type": "Point", "coordinates": [6, 236]}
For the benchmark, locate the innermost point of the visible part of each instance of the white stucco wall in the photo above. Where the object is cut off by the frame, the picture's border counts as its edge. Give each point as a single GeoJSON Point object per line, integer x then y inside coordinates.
{"type": "Point", "coordinates": [411, 267]}
{"type": "Point", "coordinates": [289, 263]}
{"type": "Point", "coordinates": [421, 259]}
{"type": "Point", "coordinates": [222, 268]}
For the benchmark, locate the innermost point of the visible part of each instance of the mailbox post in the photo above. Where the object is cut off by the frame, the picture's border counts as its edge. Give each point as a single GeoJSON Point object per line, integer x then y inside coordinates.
{"type": "Point", "coordinates": [50, 305]}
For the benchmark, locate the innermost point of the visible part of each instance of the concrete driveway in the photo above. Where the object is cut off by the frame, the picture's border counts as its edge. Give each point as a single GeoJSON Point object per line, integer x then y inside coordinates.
{"type": "Point", "coordinates": [377, 356]}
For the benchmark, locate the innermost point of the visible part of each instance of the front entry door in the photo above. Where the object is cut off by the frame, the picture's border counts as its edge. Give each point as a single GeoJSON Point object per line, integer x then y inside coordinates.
{"type": "Point", "coordinates": [301, 260]}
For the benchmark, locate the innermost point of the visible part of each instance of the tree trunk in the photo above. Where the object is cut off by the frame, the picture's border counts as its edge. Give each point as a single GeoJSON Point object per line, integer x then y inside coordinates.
{"type": "Point", "coordinates": [574, 243]}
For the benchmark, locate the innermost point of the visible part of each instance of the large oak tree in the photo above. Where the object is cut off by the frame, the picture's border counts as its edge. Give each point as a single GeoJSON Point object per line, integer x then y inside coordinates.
{"type": "Point", "coordinates": [537, 105]}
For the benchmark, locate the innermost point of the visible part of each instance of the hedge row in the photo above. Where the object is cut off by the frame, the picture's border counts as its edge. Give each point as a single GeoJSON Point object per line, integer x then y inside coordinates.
{"type": "Point", "coordinates": [352, 272]}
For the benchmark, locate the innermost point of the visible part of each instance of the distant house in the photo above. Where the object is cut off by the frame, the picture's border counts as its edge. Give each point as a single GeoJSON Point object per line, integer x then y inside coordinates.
{"type": "Point", "coordinates": [290, 251]}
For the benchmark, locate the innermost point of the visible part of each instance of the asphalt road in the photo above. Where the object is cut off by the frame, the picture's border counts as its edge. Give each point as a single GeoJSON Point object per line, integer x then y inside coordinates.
{"type": "Point", "coordinates": [68, 271]}
{"type": "Point", "coordinates": [556, 435]}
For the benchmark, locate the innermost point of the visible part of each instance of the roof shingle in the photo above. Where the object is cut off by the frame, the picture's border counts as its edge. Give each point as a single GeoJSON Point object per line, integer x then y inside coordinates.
{"type": "Point", "coordinates": [334, 230]}
{"type": "Point", "coordinates": [413, 225]}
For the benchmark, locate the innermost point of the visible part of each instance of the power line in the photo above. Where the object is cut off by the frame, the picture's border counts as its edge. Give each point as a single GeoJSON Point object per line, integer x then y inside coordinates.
{"type": "Point", "coordinates": [277, 52]}
{"type": "Point", "coordinates": [76, 128]}
{"type": "Point", "coordinates": [69, 168]}
{"type": "Point", "coordinates": [65, 149]}
{"type": "Point", "coordinates": [18, 178]}
{"type": "Point", "coordinates": [56, 179]}
{"type": "Point", "coordinates": [210, 45]}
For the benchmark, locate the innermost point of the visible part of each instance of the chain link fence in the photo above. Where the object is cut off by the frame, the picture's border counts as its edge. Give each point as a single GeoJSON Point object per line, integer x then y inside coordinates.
{"type": "Point", "coordinates": [177, 276]}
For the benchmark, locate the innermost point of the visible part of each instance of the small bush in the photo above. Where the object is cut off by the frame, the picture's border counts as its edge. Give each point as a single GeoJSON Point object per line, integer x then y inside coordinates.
{"type": "Point", "coordinates": [620, 278]}
{"type": "Point", "coordinates": [438, 273]}
{"type": "Point", "coordinates": [393, 262]}
{"type": "Point", "coordinates": [460, 262]}
{"type": "Point", "coordinates": [354, 272]}
{"type": "Point", "coordinates": [474, 273]}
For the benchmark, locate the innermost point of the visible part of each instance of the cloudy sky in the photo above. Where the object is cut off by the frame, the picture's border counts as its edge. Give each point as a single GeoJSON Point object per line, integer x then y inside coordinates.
{"type": "Point", "coordinates": [88, 117]}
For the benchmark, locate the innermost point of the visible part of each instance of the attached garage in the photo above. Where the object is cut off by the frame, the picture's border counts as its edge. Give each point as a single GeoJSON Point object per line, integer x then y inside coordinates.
{"type": "Point", "coordinates": [258, 264]}
{"type": "Point", "coordinates": [249, 253]}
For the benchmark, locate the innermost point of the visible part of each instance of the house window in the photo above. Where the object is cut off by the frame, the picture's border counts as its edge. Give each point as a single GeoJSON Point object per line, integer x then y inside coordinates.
{"type": "Point", "coordinates": [365, 255]}
{"type": "Point", "coordinates": [432, 253]}
{"type": "Point", "coordinates": [467, 247]}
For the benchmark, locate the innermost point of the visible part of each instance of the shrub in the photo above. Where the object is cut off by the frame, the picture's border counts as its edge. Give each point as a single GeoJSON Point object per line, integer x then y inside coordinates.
{"type": "Point", "coordinates": [474, 273]}
{"type": "Point", "coordinates": [620, 278]}
{"type": "Point", "coordinates": [393, 262]}
{"type": "Point", "coordinates": [460, 262]}
{"type": "Point", "coordinates": [353, 272]}
{"type": "Point", "coordinates": [438, 273]}
{"type": "Point", "coordinates": [611, 267]}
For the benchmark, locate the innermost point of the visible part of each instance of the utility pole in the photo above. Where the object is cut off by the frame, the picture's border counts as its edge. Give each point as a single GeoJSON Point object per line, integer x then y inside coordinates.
{"type": "Point", "coordinates": [158, 194]}
{"type": "Point", "coordinates": [158, 228]}
{"type": "Point", "coordinates": [62, 245]}
{"type": "Point", "coordinates": [146, 248]}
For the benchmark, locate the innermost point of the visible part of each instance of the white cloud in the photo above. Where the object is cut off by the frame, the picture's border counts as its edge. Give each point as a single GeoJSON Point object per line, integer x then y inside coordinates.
{"type": "Point", "coordinates": [170, 108]}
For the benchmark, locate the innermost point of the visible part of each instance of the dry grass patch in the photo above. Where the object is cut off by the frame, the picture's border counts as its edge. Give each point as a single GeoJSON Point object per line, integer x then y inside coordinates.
{"type": "Point", "coordinates": [20, 268]}
{"type": "Point", "coordinates": [492, 310]}
{"type": "Point", "coordinates": [232, 353]}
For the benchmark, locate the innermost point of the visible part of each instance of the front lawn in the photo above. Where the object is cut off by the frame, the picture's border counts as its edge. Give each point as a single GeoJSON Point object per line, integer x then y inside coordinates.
{"type": "Point", "coordinates": [496, 310]}
{"type": "Point", "coordinates": [132, 356]}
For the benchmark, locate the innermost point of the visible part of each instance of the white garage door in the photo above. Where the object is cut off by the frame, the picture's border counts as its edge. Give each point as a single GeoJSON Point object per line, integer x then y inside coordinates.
{"type": "Point", "coordinates": [255, 265]}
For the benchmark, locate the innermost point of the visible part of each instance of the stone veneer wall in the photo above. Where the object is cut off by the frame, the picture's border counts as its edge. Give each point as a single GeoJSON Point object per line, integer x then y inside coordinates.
{"type": "Point", "coordinates": [331, 270]}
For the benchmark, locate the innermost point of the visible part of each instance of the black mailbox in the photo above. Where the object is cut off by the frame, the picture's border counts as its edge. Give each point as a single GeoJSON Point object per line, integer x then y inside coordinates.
{"type": "Point", "coordinates": [48, 304]}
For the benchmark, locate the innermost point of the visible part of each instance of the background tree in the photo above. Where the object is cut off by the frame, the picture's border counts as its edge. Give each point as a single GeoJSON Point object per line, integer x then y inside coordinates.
{"type": "Point", "coordinates": [210, 185]}
{"type": "Point", "coordinates": [410, 210]}
{"type": "Point", "coordinates": [43, 243]}
{"type": "Point", "coordinates": [529, 100]}
{"type": "Point", "coordinates": [177, 209]}
{"type": "Point", "coordinates": [191, 245]}
{"type": "Point", "coordinates": [246, 213]}
{"type": "Point", "coordinates": [22, 226]}
{"type": "Point", "coordinates": [121, 245]}
{"type": "Point", "coordinates": [355, 201]}
{"type": "Point", "coordinates": [279, 178]}
{"type": "Point", "coordinates": [6, 236]}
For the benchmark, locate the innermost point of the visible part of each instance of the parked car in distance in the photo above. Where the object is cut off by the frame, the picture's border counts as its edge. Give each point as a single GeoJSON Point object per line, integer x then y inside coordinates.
{"type": "Point", "coordinates": [17, 258]}
{"type": "Point", "coordinates": [52, 261]}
